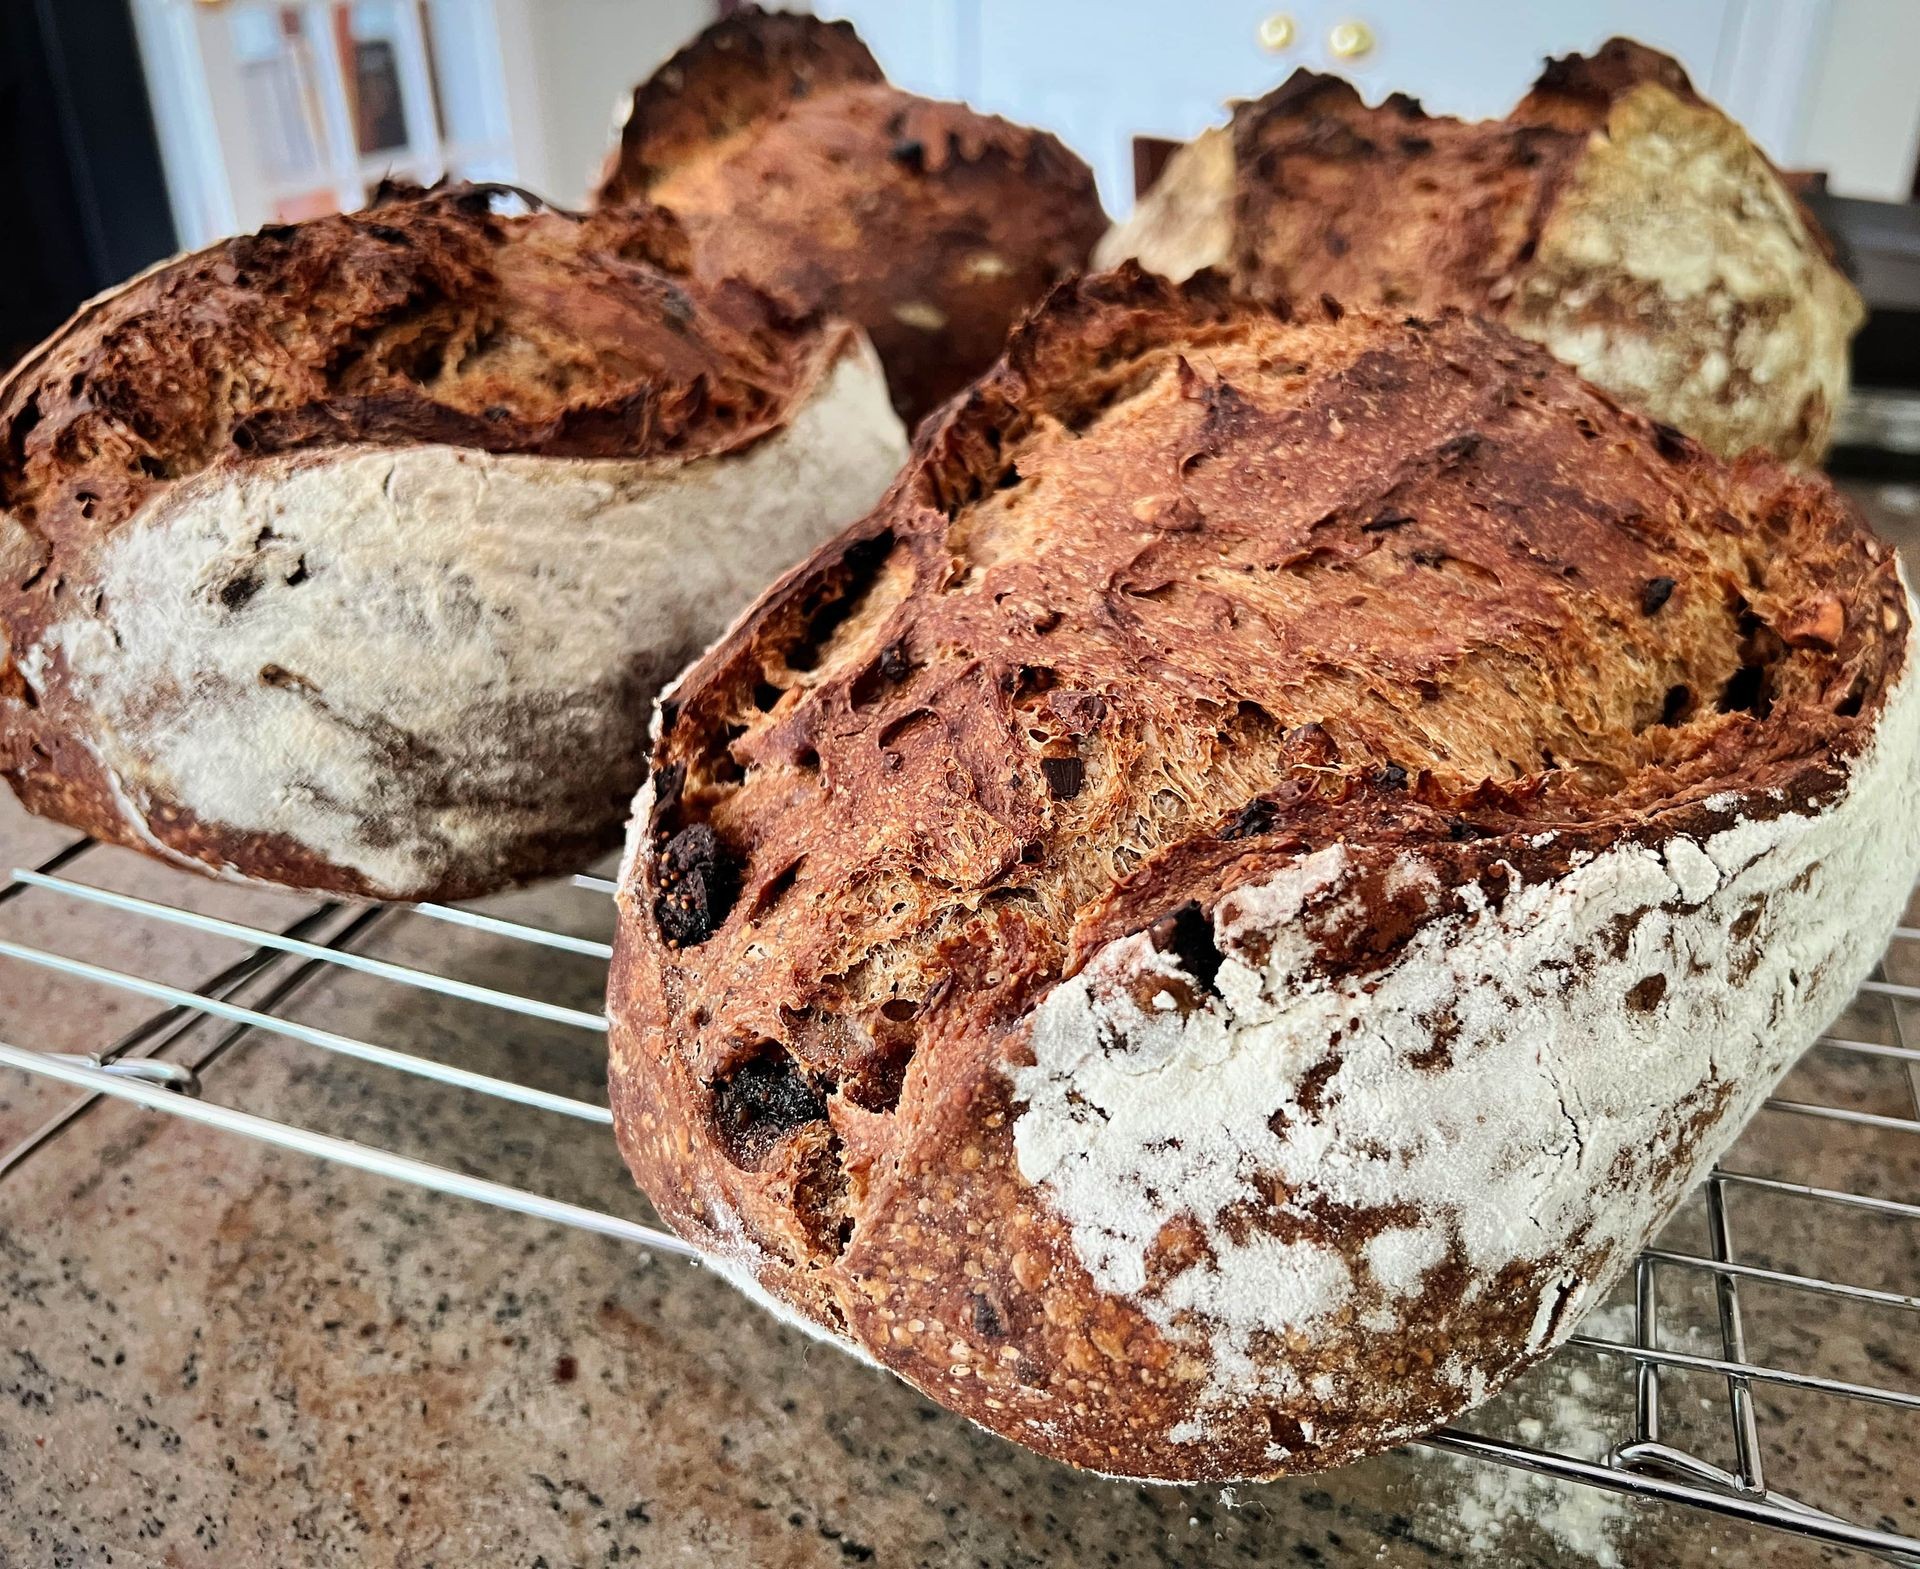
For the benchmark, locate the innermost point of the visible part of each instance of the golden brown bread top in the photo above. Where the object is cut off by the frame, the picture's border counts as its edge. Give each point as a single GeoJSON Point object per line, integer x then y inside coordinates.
{"type": "Point", "coordinates": [1183, 589]}
{"type": "Point", "coordinates": [1613, 216]}
{"type": "Point", "coordinates": [1395, 207]}
{"type": "Point", "coordinates": [778, 143]}
{"type": "Point", "coordinates": [1390, 205]}
{"type": "Point", "coordinates": [735, 75]}
{"type": "Point", "coordinates": [428, 318]}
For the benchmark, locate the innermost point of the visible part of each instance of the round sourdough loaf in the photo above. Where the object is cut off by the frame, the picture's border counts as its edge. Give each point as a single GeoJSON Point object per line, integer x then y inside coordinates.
{"type": "Point", "coordinates": [1206, 930]}
{"type": "Point", "coordinates": [778, 142]}
{"type": "Point", "coordinates": [349, 555]}
{"type": "Point", "coordinates": [1614, 216]}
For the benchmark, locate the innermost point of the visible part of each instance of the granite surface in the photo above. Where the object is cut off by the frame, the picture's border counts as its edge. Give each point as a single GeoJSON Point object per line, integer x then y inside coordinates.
{"type": "Point", "coordinates": [214, 1352]}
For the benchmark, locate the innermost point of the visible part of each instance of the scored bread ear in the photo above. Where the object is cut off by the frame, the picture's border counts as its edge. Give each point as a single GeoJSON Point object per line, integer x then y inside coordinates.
{"type": "Point", "coordinates": [1575, 91]}
{"type": "Point", "coordinates": [1578, 93]}
{"type": "Point", "coordinates": [1184, 222]}
{"type": "Point", "coordinates": [745, 67]}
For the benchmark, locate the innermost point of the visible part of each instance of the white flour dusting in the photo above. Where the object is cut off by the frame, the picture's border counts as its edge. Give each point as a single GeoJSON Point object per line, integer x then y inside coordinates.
{"type": "Point", "coordinates": [1573, 1405]}
{"type": "Point", "coordinates": [1572, 1411]}
{"type": "Point", "coordinates": [1560, 1114]}
{"type": "Point", "coordinates": [314, 646]}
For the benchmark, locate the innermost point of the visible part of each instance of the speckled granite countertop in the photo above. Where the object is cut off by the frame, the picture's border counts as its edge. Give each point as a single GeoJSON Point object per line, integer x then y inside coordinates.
{"type": "Point", "coordinates": [217, 1353]}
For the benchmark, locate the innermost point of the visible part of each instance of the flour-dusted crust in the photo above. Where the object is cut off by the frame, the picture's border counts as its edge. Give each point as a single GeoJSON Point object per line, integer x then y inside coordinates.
{"type": "Point", "coordinates": [1205, 930]}
{"type": "Point", "coordinates": [1613, 216]}
{"type": "Point", "coordinates": [349, 555]}
{"type": "Point", "coordinates": [1395, 1184]}
{"type": "Point", "coordinates": [778, 142]}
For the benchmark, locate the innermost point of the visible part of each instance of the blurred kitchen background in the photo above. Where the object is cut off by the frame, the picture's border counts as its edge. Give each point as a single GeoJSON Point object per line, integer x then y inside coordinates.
{"type": "Point", "coordinates": [130, 129]}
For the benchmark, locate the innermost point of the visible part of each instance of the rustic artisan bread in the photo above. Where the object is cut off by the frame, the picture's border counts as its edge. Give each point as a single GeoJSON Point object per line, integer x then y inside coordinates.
{"type": "Point", "coordinates": [778, 142]}
{"type": "Point", "coordinates": [349, 555]}
{"type": "Point", "coordinates": [1205, 931]}
{"type": "Point", "coordinates": [1613, 216]}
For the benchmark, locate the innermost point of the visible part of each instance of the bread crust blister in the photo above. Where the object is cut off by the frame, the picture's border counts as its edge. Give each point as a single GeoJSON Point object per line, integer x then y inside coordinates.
{"type": "Point", "coordinates": [1206, 930]}
{"type": "Point", "coordinates": [779, 143]}
{"type": "Point", "coordinates": [349, 554]}
{"type": "Point", "coordinates": [1614, 216]}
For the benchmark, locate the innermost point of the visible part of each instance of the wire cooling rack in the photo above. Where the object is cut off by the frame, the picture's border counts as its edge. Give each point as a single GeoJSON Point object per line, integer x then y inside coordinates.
{"type": "Point", "coordinates": [163, 1062]}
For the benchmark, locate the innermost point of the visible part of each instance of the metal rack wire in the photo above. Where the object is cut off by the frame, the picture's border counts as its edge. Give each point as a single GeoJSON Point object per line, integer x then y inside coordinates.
{"type": "Point", "coordinates": [162, 1063]}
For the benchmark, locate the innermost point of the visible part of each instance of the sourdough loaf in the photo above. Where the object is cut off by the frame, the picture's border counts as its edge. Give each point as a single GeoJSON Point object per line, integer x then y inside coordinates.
{"type": "Point", "coordinates": [1613, 216]}
{"type": "Point", "coordinates": [1206, 930]}
{"type": "Point", "coordinates": [350, 554]}
{"type": "Point", "coordinates": [778, 142]}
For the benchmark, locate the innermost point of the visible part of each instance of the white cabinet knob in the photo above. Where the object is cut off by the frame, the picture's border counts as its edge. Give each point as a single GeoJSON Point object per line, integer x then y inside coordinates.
{"type": "Point", "coordinates": [1350, 40]}
{"type": "Point", "coordinates": [1276, 32]}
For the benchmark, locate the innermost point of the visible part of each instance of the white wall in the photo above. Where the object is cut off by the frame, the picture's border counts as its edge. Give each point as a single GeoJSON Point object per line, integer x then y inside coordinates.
{"type": "Point", "coordinates": [1828, 84]}
{"type": "Point", "coordinates": [1862, 120]}
{"type": "Point", "coordinates": [570, 65]}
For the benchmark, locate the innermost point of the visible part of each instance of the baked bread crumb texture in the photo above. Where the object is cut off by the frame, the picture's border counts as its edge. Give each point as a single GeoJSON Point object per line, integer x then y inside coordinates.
{"type": "Point", "coordinates": [1205, 931]}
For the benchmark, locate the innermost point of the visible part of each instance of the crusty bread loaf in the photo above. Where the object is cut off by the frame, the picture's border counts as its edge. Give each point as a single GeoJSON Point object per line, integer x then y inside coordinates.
{"type": "Point", "coordinates": [1206, 930]}
{"type": "Point", "coordinates": [778, 142]}
{"type": "Point", "coordinates": [349, 554]}
{"type": "Point", "coordinates": [1613, 216]}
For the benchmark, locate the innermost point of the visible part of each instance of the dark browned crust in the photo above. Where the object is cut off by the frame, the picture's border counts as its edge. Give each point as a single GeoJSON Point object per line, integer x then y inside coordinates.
{"type": "Point", "coordinates": [742, 70]}
{"type": "Point", "coordinates": [430, 318]}
{"type": "Point", "coordinates": [1181, 543]}
{"type": "Point", "coordinates": [1393, 207]}
{"type": "Point", "coordinates": [1575, 91]}
{"type": "Point", "coordinates": [795, 166]}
